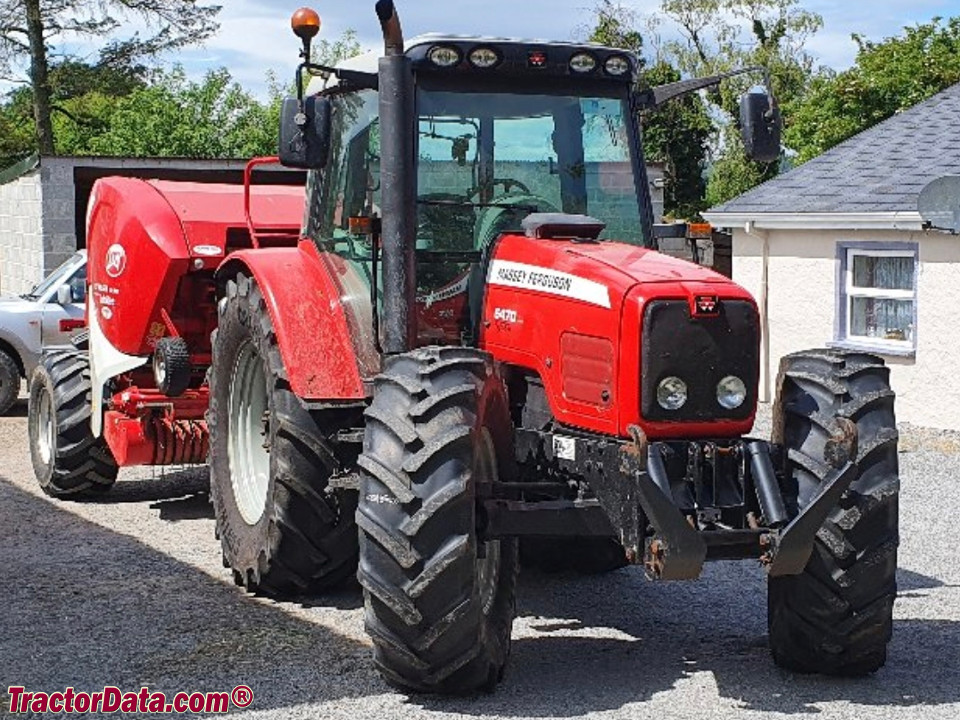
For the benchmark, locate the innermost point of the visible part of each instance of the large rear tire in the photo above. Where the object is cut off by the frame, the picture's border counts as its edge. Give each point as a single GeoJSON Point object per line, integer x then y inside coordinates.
{"type": "Point", "coordinates": [283, 530]}
{"type": "Point", "coordinates": [68, 460]}
{"type": "Point", "coordinates": [836, 617]}
{"type": "Point", "coordinates": [439, 601]}
{"type": "Point", "coordinates": [9, 382]}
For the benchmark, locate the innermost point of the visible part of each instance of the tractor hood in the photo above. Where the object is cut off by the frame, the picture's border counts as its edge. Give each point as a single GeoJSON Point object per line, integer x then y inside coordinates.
{"type": "Point", "coordinates": [643, 265]}
{"type": "Point", "coordinates": [601, 273]}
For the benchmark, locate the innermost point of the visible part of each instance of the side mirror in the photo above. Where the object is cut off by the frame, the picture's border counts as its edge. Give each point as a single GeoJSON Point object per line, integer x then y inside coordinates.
{"type": "Point", "coordinates": [64, 295]}
{"type": "Point", "coordinates": [305, 136]}
{"type": "Point", "coordinates": [760, 126]}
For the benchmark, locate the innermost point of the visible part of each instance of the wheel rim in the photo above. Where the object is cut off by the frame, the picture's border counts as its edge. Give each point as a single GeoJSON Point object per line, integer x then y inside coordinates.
{"type": "Point", "coordinates": [247, 436]}
{"type": "Point", "coordinates": [159, 368]}
{"type": "Point", "coordinates": [45, 427]}
{"type": "Point", "coordinates": [487, 566]}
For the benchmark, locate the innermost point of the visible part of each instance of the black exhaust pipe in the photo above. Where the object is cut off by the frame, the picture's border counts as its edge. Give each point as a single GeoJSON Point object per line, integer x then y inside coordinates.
{"type": "Point", "coordinates": [398, 176]}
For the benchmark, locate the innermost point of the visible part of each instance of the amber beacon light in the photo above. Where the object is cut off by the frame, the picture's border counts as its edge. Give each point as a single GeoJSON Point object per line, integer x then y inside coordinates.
{"type": "Point", "coordinates": [305, 23]}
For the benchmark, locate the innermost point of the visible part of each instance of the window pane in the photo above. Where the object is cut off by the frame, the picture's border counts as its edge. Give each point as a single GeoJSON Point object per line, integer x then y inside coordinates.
{"type": "Point", "coordinates": [887, 273]}
{"type": "Point", "coordinates": [882, 319]}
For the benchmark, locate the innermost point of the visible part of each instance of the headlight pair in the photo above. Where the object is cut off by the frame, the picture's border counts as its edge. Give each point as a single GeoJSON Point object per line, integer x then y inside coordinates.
{"type": "Point", "coordinates": [672, 393]}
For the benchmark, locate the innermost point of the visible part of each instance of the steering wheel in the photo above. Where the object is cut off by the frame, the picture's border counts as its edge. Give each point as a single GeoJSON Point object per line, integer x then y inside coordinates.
{"type": "Point", "coordinates": [508, 185]}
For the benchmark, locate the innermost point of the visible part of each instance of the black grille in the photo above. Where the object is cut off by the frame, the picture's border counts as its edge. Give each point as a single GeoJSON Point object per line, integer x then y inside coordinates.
{"type": "Point", "coordinates": [700, 351]}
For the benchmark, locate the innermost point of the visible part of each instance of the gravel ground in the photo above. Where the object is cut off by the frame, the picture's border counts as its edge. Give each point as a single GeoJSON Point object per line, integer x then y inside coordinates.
{"type": "Point", "coordinates": [129, 591]}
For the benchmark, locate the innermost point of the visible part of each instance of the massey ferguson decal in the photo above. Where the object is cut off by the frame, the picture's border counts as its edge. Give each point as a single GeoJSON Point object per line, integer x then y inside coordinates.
{"type": "Point", "coordinates": [552, 282]}
{"type": "Point", "coordinates": [116, 261]}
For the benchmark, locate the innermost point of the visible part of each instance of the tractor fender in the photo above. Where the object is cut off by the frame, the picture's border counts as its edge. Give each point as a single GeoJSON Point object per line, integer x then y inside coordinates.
{"type": "Point", "coordinates": [317, 343]}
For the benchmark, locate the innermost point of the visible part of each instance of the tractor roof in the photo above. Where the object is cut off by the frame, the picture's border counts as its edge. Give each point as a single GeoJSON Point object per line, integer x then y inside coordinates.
{"type": "Point", "coordinates": [367, 62]}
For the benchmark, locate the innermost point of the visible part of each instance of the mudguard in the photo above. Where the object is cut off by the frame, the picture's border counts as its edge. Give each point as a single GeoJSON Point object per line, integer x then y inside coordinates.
{"type": "Point", "coordinates": [326, 350]}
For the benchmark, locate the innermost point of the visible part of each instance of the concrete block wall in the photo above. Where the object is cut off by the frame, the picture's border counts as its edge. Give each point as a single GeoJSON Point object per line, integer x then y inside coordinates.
{"type": "Point", "coordinates": [22, 261]}
{"type": "Point", "coordinates": [59, 211]}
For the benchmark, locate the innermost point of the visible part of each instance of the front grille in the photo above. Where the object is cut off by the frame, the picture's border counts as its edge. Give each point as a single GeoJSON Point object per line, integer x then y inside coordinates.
{"type": "Point", "coordinates": [700, 351]}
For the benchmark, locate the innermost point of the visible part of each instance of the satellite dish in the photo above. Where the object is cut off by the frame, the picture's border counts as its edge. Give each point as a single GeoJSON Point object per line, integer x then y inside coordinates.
{"type": "Point", "coordinates": [939, 203]}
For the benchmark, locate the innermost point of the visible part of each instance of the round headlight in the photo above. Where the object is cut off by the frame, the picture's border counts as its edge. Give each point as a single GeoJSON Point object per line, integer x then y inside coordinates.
{"type": "Point", "coordinates": [444, 56]}
{"type": "Point", "coordinates": [731, 392]}
{"type": "Point", "coordinates": [484, 58]}
{"type": "Point", "coordinates": [617, 65]}
{"type": "Point", "coordinates": [583, 63]}
{"type": "Point", "coordinates": [672, 393]}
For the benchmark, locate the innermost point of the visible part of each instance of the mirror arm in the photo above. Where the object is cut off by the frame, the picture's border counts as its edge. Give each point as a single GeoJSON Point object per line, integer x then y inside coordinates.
{"type": "Point", "coordinates": [656, 97]}
{"type": "Point", "coordinates": [355, 78]}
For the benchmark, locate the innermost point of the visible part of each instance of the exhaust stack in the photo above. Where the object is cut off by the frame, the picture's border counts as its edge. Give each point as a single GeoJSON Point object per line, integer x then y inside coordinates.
{"type": "Point", "coordinates": [398, 174]}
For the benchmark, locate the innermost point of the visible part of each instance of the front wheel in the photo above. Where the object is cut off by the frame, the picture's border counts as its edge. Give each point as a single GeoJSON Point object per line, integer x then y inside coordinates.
{"type": "Point", "coordinates": [836, 617]}
{"type": "Point", "coordinates": [283, 530]}
{"type": "Point", "coordinates": [439, 599]}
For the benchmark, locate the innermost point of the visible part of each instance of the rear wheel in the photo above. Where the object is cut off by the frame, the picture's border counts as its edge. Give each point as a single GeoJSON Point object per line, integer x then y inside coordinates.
{"type": "Point", "coordinates": [837, 616]}
{"type": "Point", "coordinates": [9, 382]}
{"type": "Point", "coordinates": [67, 459]}
{"type": "Point", "coordinates": [283, 529]}
{"type": "Point", "coordinates": [439, 600]}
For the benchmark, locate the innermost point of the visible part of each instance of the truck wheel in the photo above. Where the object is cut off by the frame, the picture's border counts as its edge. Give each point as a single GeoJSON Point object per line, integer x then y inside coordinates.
{"type": "Point", "coordinates": [837, 616]}
{"type": "Point", "coordinates": [439, 601]}
{"type": "Point", "coordinates": [67, 459]}
{"type": "Point", "coordinates": [584, 555]}
{"type": "Point", "coordinates": [171, 366]}
{"type": "Point", "coordinates": [9, 382]}
{"type": "Point", "coordinates": [282, 529]}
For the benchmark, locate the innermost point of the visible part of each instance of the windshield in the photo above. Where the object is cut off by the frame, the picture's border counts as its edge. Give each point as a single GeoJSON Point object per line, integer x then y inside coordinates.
{"type": "Point", "coordinates": [57, 278]}
{"type": "Point", "coordinates": [485, 161]}
{"type": "Point", "coordinates": [493, 159]}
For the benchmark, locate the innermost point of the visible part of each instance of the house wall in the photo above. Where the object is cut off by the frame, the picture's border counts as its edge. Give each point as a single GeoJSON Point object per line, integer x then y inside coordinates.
{"type": "Point", "coordinates": [802, 301]}
{"type": "Point", "coordinates": [21, 234]}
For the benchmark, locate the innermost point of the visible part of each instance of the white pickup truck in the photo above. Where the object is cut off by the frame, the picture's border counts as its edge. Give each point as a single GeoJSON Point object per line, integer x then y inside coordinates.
{"type": "Point", "coordinates": [45, 317]}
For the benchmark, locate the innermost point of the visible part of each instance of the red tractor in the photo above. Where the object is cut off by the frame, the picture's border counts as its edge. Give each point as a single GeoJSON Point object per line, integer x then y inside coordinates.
{"type": "Point", "coordinates": [475, 343]}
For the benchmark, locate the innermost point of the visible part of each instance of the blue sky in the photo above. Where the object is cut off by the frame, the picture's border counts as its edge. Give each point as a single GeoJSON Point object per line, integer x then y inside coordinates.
{"type": "Point", "coordinates": [255, 35]}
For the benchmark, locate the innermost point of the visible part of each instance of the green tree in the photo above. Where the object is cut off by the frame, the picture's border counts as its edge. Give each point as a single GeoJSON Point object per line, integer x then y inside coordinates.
{"type": "Point", "coordinates": [29, 30]}
{"type": "Point", "coordinates": [888, 76]}
{"type": "Point", "coordinates": [174, 116]}
{"type": "Point", "coordinates": [721, 35]}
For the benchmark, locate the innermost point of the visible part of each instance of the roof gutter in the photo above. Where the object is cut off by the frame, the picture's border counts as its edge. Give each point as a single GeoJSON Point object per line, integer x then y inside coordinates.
{"type": "Point", "coordinates": [900, 220]}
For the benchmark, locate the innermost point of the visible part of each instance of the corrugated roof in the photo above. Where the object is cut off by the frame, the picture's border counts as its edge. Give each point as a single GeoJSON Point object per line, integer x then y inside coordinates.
{"type": "Point", "coordinates": [882, 169]}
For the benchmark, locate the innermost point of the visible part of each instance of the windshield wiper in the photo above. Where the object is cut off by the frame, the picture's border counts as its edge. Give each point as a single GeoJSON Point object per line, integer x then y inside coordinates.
{"type": "Point", "coordinates": [466, 203]}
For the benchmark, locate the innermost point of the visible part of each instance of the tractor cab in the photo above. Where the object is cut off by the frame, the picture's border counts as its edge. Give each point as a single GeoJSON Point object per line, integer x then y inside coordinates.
{"type": "Point", "coordinates": [501, 130]}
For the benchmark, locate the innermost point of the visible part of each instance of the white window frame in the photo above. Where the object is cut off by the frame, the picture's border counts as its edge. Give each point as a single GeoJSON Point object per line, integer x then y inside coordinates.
{"type": "Point", "coordinates": [849, 291]}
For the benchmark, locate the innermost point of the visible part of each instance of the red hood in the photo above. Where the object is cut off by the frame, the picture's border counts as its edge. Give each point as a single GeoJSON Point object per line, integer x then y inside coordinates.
{"type": "Point", "coordinates": [643, 265]}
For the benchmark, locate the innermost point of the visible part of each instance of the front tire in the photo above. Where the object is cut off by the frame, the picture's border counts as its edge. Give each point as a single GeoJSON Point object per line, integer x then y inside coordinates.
{"type": "Point", "coordinates": [283, 530]}
{"type": "Point", "coordinates": [68, 460]}
{"type": "Point", "coordinates": [439, 601]}
{"type": "Point", "coordinates": [836, 617]}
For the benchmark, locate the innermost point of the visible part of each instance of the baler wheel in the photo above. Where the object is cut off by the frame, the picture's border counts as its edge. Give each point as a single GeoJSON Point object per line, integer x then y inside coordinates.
{"type": "Point", "coordinates": [439, 599]}
{"type": "Point", "coordinates": [67, 459]}
{"type": "Point", "coordinates": [9, 382]}
{"type": "Point", "coordinates": [171, 366]}
{"type": "Point", "coordinates": [283, 530]}
{"type": "Point", "coordinates": [836, 617]}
